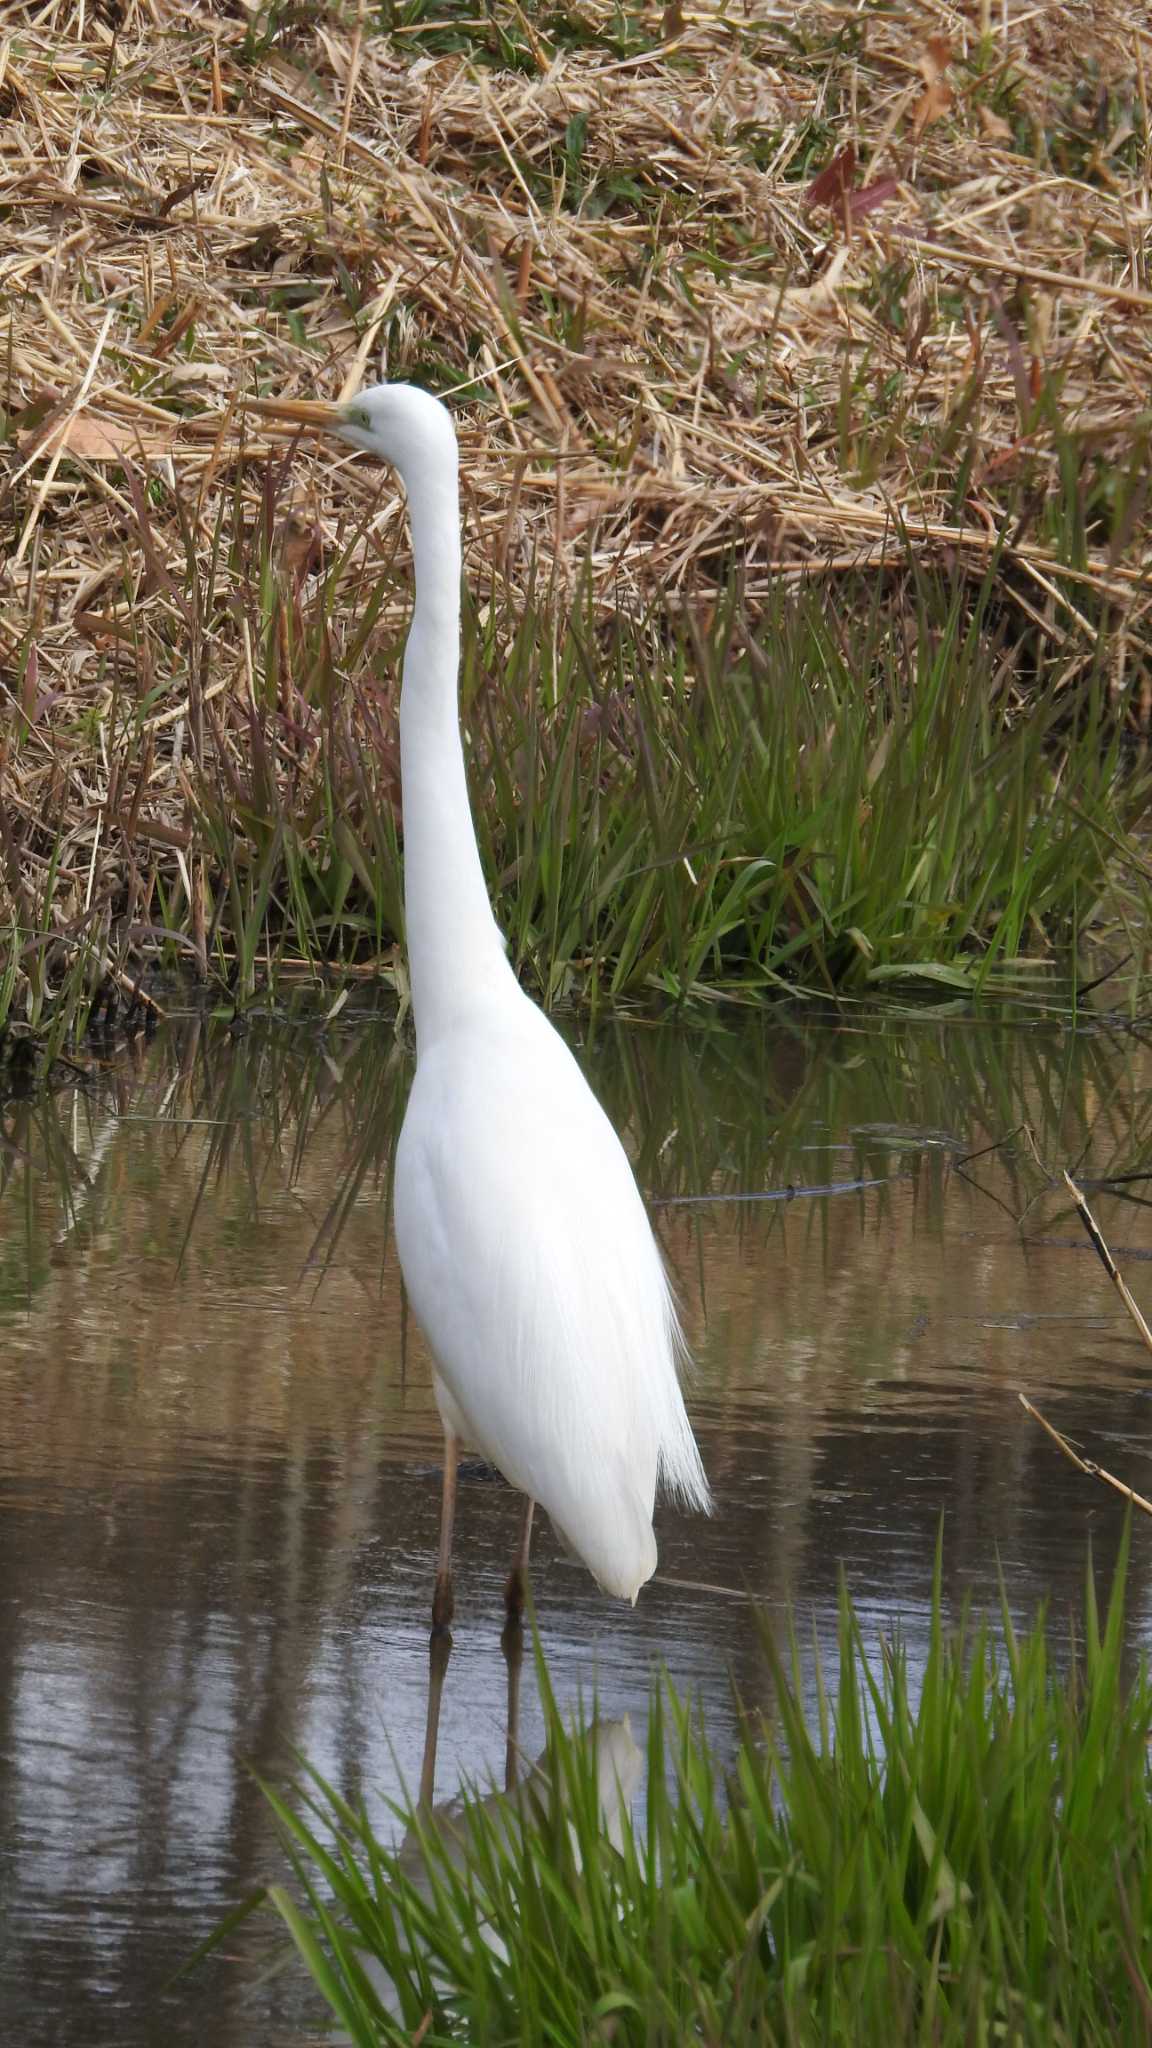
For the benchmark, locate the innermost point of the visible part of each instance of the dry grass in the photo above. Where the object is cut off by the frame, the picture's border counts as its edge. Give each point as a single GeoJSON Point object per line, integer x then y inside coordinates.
{"type": "Point", "coordinates": [601, 226]}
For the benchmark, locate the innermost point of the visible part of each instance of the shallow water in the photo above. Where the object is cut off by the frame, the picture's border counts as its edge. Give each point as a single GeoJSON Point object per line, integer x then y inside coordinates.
{"type": "Point", "coordinates": [219, 1457]}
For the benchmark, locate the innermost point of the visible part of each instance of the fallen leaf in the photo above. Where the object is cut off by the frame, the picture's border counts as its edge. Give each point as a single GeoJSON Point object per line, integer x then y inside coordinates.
{"type": "Point", "coordinates": [932, 105]}
{"type": "Point", "coordinates": [98, 438]}
{"type": "Point", "coordinates": [995, 127]}
{"type": "Point", "coordinates": [871, 196]}
{"type": "Point", "coordinates": [180, 192]}
{"type": "Point", "coordinates": [831, 186]}
{"type": "Point", "coordinates": [301, 545]}
{"type": "Point", "coordinates": [937, 95]}
{"type": "Point", "coordinates": [936, 59]}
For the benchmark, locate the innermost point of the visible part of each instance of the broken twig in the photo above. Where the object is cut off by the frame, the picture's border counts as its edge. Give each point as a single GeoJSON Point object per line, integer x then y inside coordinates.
{"type": "Point", "coordinates": [1086, 1465]}
{"type": "Point", "coordinates": [1107, 1261]}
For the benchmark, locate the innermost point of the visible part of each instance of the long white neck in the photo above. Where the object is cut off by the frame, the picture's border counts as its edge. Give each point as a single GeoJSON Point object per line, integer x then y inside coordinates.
{"type": "Point", "coordinates": [455, 950]}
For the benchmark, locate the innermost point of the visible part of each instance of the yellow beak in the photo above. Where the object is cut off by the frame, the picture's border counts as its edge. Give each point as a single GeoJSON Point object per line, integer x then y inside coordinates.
{"type": "Point", "coordinates": [298, 412]}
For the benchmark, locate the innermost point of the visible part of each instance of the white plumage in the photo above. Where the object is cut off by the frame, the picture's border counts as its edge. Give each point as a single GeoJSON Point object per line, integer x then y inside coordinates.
{"type": "Point", "coordinates": [534, 1274]}
{"type": "Point", "coordinates": [523, 1240]}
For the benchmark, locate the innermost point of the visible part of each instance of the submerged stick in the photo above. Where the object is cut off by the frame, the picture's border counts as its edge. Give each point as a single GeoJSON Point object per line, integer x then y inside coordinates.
{"type": "Point", "coordinates": [1107, 1261]}
{"type": "Point", "coordinates": [1087, 1465]}
{"type": "Point", "coordinates": [789, 1194]}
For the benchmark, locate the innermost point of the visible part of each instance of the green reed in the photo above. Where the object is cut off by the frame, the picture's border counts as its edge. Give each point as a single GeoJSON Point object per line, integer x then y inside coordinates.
{"type": "Point", "coordinates": [829, 795]}
{"type": "Point", "coordinates": [954, 1853]}
{"type": "Point", "coordinates": [860, 784]}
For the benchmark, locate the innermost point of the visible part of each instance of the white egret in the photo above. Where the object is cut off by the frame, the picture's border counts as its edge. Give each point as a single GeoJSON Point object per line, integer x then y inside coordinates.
{"type": "Point", "coordinates": [524, 1243]}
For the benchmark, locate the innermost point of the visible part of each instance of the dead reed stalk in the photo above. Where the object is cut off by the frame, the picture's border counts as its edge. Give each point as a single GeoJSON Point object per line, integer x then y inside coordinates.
{"type": "Point", "coordinates": [714, 286]}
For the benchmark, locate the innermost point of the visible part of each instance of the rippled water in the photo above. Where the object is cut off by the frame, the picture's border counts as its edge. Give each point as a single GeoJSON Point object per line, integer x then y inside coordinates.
{"type": "Point", "coordinates": [219, 1456]}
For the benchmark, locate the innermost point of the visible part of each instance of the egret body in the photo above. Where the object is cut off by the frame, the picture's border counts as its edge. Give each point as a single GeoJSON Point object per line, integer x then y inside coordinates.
{"type": "Point", "coordinates": [524, 1243]}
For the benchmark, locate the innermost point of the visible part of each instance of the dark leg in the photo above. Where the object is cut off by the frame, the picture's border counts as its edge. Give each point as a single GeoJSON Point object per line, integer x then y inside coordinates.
{"type": "Point", "coordinates": [512, 1643]}
{"type": "Point", "coordinates": [439, 1651]}
{"type": "Point", "coordinates": [516, 1591]}
{"type": "Point", "coordinates": [442, 1601]}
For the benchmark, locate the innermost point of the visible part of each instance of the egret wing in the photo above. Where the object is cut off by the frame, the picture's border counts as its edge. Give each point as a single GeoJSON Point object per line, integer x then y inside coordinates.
{"type": "Point", "coordinates": [534, 1274]}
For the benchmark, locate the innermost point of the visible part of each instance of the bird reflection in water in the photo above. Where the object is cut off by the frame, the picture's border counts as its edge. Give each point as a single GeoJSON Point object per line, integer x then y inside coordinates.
{"type": "Point", "coordinates": [456, 1828]}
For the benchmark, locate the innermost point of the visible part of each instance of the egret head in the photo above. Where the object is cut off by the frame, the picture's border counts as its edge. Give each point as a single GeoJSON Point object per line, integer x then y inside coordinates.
{"type": "Point", "coordinates": [397, 423]}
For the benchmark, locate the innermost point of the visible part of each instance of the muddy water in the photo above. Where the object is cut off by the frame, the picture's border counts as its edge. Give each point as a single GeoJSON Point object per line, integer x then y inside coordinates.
{"type": "Point", "coordinates": [219, 1453]}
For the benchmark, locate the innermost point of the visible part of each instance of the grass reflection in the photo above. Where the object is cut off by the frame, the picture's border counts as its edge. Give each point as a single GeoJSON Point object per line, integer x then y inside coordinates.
{"type": "Point", "coordinates": [721, 1109]}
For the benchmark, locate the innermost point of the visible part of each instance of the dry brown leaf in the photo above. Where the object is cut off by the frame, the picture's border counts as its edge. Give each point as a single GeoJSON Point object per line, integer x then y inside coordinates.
{"type": "Point", "coordinates": [831, 186]}
{"type": "Point", "coordinates": [932, 105]}
{"type": "Point", "coordinates": [937, 95]}
{"type": "Point", "coordinates": [936, 59]}
{"type": "Point", "coordinates": [97, 438]}
{"type": "Point", "coordinates": [834, 187]}
{"type": "Point", "coordinates": [995, 127]}
{"type": "Point", "coordinates": [301, 545]}
{"type": "Point", "coordinates": [871, 196]}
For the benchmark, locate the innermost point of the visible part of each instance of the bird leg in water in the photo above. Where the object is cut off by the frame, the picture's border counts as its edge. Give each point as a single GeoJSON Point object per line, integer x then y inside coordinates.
{"type": "Point", "coordinates": [439, 1651]}
{"type": "Point", "coordinates": [512, 1642]}
{"type": "Point", "coordinates": [516, 1591]}
{"type": "Point", "coordinates": [442, 1600]}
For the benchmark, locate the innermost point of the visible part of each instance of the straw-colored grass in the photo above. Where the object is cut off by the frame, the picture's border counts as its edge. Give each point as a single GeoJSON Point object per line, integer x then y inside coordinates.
{"type": "Point", "coordinates": [793, 287]}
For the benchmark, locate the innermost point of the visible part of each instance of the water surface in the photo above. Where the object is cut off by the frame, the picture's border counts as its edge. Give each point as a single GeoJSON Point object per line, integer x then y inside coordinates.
{"type": "Point", "coordinates": [219, 1455]}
